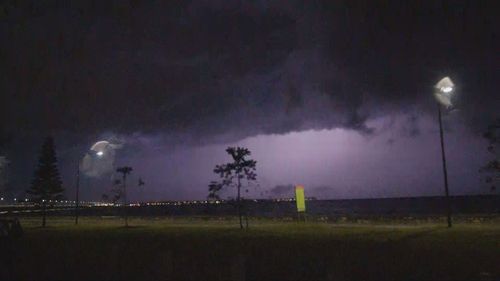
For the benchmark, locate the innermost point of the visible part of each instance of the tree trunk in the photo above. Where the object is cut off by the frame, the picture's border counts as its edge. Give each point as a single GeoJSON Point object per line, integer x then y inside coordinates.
{"type": "Point", "coordinates": [239, 202]}
{"type": "Point", "coordinates": [246, 214]}
{"type": "Point", "coordinates": [44, 214]}
{"type": "Point", "coordinates": [77, 203]}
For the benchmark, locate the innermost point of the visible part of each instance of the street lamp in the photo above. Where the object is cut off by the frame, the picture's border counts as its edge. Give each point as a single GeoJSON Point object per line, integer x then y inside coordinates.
{"type": "Point", "coordinates": [443, 91]}
{"type": "Point", "coordinates": [77, 199]}
{"type": "Point", "coordinates": [89, 153]}
{"type": "Point", "coordinates": [95, 162]}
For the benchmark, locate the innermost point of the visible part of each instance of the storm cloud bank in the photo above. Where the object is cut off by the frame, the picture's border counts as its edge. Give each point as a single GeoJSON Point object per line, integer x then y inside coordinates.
{"type": "Point", "coordinates": [223, 71]}
{"type": "Point", "coordinates": [176, 77]}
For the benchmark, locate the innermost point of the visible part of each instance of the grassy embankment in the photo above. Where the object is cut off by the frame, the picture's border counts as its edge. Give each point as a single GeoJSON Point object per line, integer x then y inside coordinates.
{"type": "Point", "coordinates": [195, 249]}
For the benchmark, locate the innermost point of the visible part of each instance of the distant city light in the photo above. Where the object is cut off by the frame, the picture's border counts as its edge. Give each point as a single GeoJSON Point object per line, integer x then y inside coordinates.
{"type": "Point", "coordinates": [100, 153]}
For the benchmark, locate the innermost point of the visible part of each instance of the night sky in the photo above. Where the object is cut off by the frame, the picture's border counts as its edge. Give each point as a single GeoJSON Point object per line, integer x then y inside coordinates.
{"type": "Point", "coordinates": [334, 95]}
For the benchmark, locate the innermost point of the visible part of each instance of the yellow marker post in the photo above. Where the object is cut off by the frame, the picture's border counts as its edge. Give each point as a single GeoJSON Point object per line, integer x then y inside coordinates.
{"type": "Point", "coordinates": [300, 198]}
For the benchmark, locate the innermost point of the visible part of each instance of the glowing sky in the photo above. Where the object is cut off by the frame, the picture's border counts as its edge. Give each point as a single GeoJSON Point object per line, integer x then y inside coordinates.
{"type": "Point", "coordinates": [335, 163]}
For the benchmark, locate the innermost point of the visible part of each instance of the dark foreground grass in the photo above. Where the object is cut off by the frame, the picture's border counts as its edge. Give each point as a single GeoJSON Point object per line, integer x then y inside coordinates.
{"type": "Point", "coordinates": [162, 249]}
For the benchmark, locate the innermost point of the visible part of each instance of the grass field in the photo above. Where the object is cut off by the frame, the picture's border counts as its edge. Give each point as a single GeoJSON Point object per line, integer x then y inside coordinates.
{"type": "Point", "coordinates": [196, 249]}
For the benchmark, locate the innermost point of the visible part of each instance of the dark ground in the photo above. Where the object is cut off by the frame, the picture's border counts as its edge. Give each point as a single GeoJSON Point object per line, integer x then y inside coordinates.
{"type": "Point", "coordinates": [154, 248]}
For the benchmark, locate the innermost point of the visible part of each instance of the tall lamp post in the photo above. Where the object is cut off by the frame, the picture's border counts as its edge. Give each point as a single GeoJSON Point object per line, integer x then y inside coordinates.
{"type": "Point", "coordinates": [443, 91]}
{"type": "Point", "coordinates": [77, 199]}
{"type": "Point", "coordinates": [77, 196]}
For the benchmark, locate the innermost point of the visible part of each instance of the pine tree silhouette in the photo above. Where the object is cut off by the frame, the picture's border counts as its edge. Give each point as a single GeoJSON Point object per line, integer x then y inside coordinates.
{"type": "Point", "coordinates": [46, 185]}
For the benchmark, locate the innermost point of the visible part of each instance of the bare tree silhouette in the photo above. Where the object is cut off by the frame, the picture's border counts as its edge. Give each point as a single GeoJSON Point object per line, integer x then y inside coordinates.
{"type": "Point", "coordinates": [125, 171]}
{"type": "Point", "coordinates": [233, 173]}
{"type": "Point", "coordinates": [492, 168]}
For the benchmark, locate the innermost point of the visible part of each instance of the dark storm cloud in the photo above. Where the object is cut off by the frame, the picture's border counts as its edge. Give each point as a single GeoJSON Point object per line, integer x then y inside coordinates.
{"type": "Point", "coordinates": [411, 127]}
{"type": "Point", "coordinates": [282, 190]}
{"type": "Point", "coordinates": [226, 70]}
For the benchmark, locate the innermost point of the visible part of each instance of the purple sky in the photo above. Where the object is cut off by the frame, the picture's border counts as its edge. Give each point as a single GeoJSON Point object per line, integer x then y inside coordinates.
{"type": "Point", "coordinates": [335, 163]}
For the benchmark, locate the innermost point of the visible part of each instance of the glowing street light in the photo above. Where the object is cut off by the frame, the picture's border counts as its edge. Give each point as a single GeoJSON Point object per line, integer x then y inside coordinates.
{"type": "Point", "coordinates": [446, 89]}
{"type": "Point", "coordinates": [96, 149]}
{"type": "Point", "coordinates": [443, 92]}
{"type": "Point", "coordinates": [100, 152]}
